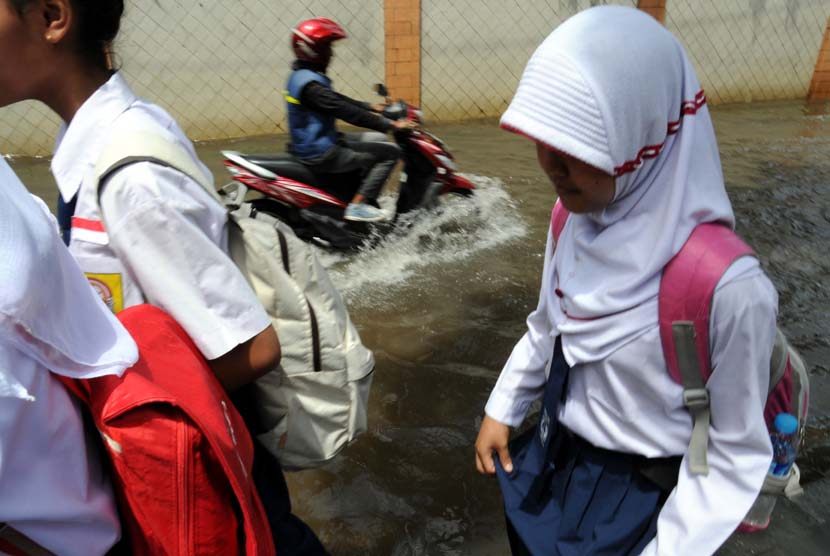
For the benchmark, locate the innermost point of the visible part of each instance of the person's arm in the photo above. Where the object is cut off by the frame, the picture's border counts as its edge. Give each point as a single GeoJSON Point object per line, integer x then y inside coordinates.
{"type": "Point", "coordinates": [522, 381]}
{"type": "Point", "coordinates": [703, 511]}
{"type": "Point", "coordinates": [159, 227]}
{"type": "Point", "coordinates": [315, 96]}
{"type": "Point", "coordinates": [248, 361]}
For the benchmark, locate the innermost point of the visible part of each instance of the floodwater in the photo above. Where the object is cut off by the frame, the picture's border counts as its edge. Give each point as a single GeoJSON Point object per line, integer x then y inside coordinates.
{"type": "Point", "coordinates": [443, 304]}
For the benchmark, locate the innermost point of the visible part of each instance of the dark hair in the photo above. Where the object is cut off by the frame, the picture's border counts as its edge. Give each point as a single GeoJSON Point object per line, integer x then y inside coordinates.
{"type": "Point", "coordinates": [99, 22]}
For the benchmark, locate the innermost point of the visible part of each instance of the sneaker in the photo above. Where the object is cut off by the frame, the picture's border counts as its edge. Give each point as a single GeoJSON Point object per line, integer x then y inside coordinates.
{"type": "Point", "coordinates": [363, 213]}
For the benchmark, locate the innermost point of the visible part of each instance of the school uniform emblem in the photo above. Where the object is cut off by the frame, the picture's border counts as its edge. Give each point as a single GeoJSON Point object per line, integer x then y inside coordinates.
{"type": "Point", "coordinates": [109, 289]}
{"type": "Point", "coordinates": [544, 426]}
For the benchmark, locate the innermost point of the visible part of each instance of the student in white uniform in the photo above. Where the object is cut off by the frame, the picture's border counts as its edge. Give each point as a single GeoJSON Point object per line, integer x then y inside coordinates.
{"type": "Point", "coordinates": [622, 130]}
{"type": "Point", "coordinates": [52, 489]}
{"type": "Point", "coordinates": [154, 235]}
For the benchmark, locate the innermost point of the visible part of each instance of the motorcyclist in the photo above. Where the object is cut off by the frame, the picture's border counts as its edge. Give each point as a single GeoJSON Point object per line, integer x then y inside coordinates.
{"type": "Point", "coordinates": [314, 106]}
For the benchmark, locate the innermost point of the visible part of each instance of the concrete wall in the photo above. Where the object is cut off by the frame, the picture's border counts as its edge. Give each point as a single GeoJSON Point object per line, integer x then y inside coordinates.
{"type": "Point", "coordinates": [749, 50]}
{"type": "Point", "coordinates": [219, 66]}
{"type": "Point", "coordinates": [474, 51]}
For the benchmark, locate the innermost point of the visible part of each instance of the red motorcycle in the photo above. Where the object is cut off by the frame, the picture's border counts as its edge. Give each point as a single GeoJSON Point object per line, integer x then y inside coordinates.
{"type": "Point", "coordinates": [288, 190]}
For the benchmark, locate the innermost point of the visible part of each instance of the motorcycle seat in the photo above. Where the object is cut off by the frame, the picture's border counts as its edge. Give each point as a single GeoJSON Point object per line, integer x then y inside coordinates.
{"type": "Point", "coordinates": [285, 165]}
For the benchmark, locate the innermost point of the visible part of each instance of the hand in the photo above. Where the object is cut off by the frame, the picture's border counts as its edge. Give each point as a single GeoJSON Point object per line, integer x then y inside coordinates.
{"type": "Point", "coordinates": [404, 124]}
{"type": "Point", "coordinates": [379, 107]}
{"type": "Point", "coordinates": [492, 437]}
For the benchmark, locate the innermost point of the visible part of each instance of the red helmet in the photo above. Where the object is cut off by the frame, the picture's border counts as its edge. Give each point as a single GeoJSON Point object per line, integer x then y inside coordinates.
{"type": "Point", "coordinates": [311, 40]}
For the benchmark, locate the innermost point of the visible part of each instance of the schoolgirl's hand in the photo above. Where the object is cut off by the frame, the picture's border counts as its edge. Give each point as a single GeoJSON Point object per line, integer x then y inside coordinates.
{"type": "Point", "coordinates": [492, 437]}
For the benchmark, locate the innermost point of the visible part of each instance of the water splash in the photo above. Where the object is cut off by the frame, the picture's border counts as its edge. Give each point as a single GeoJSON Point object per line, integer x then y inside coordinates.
{"type": "Point", "coordinates": [455, 230]}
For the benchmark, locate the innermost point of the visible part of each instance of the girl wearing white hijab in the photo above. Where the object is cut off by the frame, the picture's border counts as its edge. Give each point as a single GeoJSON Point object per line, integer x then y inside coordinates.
{"type": "Point", "coordinates": [623, 132]}
{"type": "Point", "coordinates": [52, 489]}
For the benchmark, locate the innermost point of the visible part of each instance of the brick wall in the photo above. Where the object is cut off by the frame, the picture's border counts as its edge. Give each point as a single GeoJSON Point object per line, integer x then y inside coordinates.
{"type": "Point", "coordinates": [655, 8]}
{"type": "Point", "coordinates": [402, 22]}
{"type": "Point", "coordinates": [820, 85]}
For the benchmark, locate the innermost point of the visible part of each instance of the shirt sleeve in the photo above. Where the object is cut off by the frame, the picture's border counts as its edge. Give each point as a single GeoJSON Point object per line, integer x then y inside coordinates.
{"type": "Point", "coordinates": [703, 511]}
{"type": "Point", "coordinates": [170, 235]}
{"type": "Point", "coordinates": [327, 101]}
{"type": "Point", "coordinates": [523, 377]}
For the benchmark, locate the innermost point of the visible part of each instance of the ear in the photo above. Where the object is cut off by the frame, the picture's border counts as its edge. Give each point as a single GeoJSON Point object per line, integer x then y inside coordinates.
{"type": "Point", "coordinates": [56, 19]}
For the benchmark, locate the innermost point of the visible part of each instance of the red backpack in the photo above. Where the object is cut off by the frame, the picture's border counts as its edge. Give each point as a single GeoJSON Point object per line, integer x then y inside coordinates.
{"type": "Point", "coordinates": [684, 303]}
{"type": "Point", "coordinates": [180, 453]}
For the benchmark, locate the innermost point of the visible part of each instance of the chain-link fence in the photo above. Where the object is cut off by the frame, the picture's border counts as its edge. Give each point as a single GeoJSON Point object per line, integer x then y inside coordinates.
{"type": "Point", "coordinates": [219, 67]}
{"type": "Point", "coordinates": [474, 51]}
{"type": "Point", "coordinates": [751, 50]}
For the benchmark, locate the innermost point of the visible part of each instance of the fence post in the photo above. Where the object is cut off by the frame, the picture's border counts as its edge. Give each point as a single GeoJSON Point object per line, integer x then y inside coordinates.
{"type": "Point", "coordinates": [402, 23]}
{"type": "Point", "coordinates": [820, 85]}
{"type": "Point", "coordinates": [655, 8]}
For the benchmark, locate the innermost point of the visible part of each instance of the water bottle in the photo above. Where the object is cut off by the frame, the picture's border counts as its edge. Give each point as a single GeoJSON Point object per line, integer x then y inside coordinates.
{"type": "Point", "coordinates": [784, 449]}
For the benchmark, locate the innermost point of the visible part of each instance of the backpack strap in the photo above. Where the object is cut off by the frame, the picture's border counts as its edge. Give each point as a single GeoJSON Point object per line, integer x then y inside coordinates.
{"type": "Point", "coordinates": [684, 307]}
{"type": "Point", "coordinates": [557, 219]}
{"type": "Point", "coordinates": [130, 147]}
{"type": "Point", "coordinates": [685, 297]}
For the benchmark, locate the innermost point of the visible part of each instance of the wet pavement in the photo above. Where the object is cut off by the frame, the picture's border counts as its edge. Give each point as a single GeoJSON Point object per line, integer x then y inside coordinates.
{"type": "Point", "coordinates": [443, 304]}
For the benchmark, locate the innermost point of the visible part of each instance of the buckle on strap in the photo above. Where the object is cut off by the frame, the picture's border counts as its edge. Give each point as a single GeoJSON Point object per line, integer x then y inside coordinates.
{"type": "Point", "coordinates": [696, 398]}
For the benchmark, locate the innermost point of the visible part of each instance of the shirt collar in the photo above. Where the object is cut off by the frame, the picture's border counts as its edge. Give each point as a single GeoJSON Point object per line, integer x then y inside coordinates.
{"type": "Point", "coordinates": [79, 144]}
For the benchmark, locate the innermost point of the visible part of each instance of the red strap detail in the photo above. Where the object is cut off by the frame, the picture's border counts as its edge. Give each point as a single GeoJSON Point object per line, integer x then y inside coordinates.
{"type": "Point", "coordinates": [11, 550]}
{"type": "Point", "coordinates": [87, 224]}
{"type": "Point", "coordinates": [557, 220]}
{"type": "Point", "coordinates": [688, 108]}
{"type": "Point", "coordinates": [687, 285]}
{"type": "Point", "coordinates": [781, 398]}
{"type": "Point", "coordinates": [15, 543]}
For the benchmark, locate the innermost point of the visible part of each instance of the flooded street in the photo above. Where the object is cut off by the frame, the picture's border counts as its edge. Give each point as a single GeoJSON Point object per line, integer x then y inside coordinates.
{"type": "Point", "coordinates": [443, 304]}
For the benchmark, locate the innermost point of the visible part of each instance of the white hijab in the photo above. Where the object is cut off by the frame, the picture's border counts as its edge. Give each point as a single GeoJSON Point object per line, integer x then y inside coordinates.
{"type": "Point", "coordinates": [613, 88]}
{"type": "Point", "coordinates": [48, 310]}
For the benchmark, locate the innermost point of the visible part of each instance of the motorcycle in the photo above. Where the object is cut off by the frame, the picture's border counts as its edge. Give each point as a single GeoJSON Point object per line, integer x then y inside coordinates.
{"type": "Point", "coordinates": [288, 190]}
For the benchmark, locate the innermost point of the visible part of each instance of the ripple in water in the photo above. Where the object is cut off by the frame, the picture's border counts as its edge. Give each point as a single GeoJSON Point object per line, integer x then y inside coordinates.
{"type": "Point", "coordinates": [455, 230]}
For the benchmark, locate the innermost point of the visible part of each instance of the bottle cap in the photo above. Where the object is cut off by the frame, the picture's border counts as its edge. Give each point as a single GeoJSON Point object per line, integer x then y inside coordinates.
{"type": "Point", "coordinates": [786, 423]}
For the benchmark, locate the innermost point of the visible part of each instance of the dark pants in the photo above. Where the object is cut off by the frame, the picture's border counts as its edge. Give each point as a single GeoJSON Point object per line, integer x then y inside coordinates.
{"type": "Point", "coordinates": [292, 537]}
{"type": "Point", "coordinates": [369, 157]}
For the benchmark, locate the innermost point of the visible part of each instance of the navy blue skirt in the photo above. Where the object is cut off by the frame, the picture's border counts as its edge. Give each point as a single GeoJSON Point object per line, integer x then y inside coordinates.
{"type": "Point", "coordinates": [566, 497]}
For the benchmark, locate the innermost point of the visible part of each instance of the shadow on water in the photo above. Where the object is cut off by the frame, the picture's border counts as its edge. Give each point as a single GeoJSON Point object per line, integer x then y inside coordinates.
{"type": "Point", "coordinates": [443, 303]}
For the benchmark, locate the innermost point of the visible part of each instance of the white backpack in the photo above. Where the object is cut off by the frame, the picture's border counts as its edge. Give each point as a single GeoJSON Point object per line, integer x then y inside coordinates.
{"type": "Point", "coordinates": [315, 402]}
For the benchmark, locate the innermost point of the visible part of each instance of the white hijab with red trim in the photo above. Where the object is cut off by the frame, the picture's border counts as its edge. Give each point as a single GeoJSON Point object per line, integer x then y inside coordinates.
{"type": "Point", "coordinates": [613, 88]}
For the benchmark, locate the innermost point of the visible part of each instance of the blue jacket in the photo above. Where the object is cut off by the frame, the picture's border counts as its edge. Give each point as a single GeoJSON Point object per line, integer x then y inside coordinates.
{"type": "Point", "coordinates": [312, 133]}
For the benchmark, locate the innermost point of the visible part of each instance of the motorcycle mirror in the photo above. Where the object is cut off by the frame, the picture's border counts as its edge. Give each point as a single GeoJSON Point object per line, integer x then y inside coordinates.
{"type": "Point", "coordinates": [381, 90]}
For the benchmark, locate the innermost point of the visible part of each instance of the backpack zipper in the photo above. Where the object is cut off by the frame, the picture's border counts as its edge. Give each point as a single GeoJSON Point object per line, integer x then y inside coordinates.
{"type": "Point", "coordinates": [185, 445]}
{"type": "Point", "coordinates": [315, 330]}
{"type": "Point", "coordinates": [284, 250]}
{"type": "Point", "coordinates": [315, 338]}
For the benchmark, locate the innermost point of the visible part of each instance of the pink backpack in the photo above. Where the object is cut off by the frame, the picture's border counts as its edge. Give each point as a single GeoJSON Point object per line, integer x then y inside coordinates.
{"type": "Point", "coordinates": [684, 302]}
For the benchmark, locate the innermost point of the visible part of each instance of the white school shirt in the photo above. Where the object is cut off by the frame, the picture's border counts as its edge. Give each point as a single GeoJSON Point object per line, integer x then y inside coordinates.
{"type": "Point", "coordinates": [629, 403]}
{"type": "Point", "coordinates": [52, 487]}
{"type": "Point", "coordinates": [165, 239]}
